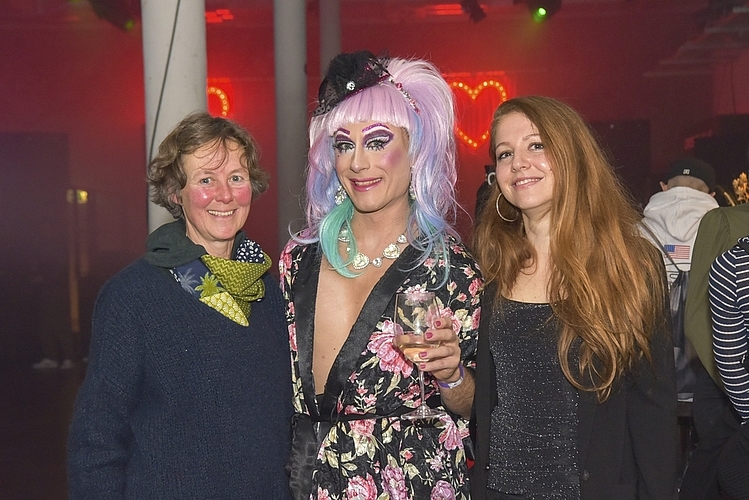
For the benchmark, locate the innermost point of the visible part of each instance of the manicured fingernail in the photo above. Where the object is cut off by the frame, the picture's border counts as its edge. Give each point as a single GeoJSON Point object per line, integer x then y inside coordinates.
{"type": "Point", "coordinates": [428, 335]}
{"type": "Point", "coordinates": [438, 323]}
{"type": "Point", "coordinates": [423, 354]}
{"type": "Point", "coordinates": [422, 367]}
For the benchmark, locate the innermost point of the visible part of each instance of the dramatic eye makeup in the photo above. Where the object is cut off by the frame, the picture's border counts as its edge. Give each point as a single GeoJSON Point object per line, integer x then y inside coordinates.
{"type": "Point", "coordinates": [342, 140]}
{"type": "Point", "coordinates": [377, 136]}
{"type": "Point", "coordinates": [374, 137]}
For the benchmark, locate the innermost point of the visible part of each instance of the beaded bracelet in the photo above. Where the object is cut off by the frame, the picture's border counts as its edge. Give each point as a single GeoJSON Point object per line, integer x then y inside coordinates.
{"type": "Point", "coordinates": [453, 385]}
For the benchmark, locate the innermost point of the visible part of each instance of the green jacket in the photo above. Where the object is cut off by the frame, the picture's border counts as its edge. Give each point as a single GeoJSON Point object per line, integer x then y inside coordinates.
{"type": "Point", "coordinates": [719, 230]}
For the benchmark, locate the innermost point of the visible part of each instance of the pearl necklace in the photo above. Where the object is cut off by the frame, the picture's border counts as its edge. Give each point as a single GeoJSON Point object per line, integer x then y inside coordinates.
{"type": "Point", "coordinates": [391, 252]}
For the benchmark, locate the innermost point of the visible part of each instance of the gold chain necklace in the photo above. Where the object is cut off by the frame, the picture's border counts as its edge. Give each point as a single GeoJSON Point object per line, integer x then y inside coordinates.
{"type": "Point", "coordinates": [391, 252]}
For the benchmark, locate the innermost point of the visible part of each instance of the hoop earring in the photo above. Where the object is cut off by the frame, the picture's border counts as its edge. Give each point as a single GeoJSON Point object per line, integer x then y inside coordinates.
{"type": "Point", "coordinates": [496, 204]}
{"type": "Point", "coordinates": [340, 195]}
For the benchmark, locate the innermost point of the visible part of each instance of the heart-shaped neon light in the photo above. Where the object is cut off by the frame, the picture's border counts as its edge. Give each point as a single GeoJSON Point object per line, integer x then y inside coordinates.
{"type": "Point", "coordinates": [474, 114]}
{"type": "Point", "coordinates": [219, 92]}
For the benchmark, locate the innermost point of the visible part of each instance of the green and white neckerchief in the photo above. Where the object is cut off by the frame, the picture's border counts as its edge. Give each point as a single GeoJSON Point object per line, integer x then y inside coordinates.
{"type": "Point", "coordinates": [228, 286]}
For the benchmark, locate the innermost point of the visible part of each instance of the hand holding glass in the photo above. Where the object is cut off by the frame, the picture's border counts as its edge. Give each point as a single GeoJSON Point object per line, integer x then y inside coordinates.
{"type": "Point", "coordinates": [415, 313]}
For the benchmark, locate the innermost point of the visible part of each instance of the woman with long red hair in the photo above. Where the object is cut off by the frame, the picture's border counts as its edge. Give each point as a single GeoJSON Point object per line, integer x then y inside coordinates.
{"type": "Point", "coordinates": [575, 390]}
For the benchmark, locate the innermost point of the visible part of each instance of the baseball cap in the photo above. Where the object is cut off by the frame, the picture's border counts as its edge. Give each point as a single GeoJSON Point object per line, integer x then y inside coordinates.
{"type": "Point", "coordinates": [693, 167]}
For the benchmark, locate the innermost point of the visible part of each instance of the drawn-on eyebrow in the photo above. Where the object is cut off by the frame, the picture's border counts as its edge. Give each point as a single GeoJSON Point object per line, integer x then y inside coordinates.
{"type": "Point", "coordinates": [374, 125]}
{"type": "Point", "coordinates": [341, 134]}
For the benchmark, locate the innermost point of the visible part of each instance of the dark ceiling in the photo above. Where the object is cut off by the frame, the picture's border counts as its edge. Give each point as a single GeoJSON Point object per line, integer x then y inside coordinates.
{"type": "Point", "coordinates": [722, 33]}
{"type": "Point", "coordinates": [724, 36]}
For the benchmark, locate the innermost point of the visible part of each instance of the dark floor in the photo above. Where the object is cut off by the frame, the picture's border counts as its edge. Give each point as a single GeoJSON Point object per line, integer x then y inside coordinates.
{"type": "Point", "coordinates": [36, 405]}
{"type": "Point", "coordinates": [35, 412]}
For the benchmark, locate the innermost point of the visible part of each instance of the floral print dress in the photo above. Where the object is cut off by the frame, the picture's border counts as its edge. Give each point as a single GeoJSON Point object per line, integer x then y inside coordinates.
{"type": "Point", "coordinates": [365, 451]}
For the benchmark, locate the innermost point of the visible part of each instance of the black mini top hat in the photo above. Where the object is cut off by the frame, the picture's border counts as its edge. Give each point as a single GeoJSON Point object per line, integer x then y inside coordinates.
{"type": "Point", "coordinates": [348, 74]}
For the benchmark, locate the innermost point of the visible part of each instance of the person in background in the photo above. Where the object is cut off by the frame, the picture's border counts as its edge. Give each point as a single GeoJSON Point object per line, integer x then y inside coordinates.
{"type": "Point", "coordinates": [575, 389]}
{"type": "Point", "coordinates": [670, 221]}
{"type": "Point", "coordinates": [187, 392]}
{"type": "Point", "coordinates": [674, 214]}
{"type": "Point", "coordinates": [380, 205]}
{"type": "Point", "coordinates": [729, 305]}
{"type": "Point", "coordinates": [482, 194]}
{"type": "Point", "coordinates": [715, 419]}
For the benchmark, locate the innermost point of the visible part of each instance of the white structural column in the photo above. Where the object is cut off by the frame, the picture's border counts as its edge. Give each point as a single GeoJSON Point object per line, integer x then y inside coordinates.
{"type": "Point", "coordinates": [330, 32]}
{"type": "Point", "coordinates": [174, 59]}
{"type": "Point", "coordinates": [290, 39]}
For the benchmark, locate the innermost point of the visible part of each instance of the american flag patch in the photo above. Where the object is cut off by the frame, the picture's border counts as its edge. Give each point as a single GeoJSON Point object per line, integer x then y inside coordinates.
{"type": "Point", "coordinates": [677, 251]}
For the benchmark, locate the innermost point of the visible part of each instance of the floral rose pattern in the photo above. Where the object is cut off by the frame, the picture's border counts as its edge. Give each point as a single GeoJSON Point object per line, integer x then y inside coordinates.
{"type": "Point", "coordinates": [392, 458]}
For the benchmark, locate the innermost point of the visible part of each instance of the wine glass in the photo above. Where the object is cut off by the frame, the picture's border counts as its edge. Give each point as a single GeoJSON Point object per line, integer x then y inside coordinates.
{"type": "Point", "coordinates": [415, 312]}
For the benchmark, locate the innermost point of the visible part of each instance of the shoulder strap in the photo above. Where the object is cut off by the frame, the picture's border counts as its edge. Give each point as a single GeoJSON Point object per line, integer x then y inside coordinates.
{"type": "Point", "coordinates": [660, 245]}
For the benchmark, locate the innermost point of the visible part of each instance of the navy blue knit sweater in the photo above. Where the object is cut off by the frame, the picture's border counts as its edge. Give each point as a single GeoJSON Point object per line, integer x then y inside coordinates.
{"type": "Point", "coordinates": [180, 402]}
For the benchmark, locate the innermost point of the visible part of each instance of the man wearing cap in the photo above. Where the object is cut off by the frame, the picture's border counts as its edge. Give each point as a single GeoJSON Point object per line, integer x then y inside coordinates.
{"type": "Point", "coordinates": [671, 220]}
{"type": "Point", "coordinates": [673, 217]}
{"type": "Point", "coordinates": [674, 214]}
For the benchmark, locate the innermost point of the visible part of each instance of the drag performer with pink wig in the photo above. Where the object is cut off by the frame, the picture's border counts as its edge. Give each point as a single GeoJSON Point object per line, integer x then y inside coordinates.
{"type": "Point", "coordinates": [380, 207]}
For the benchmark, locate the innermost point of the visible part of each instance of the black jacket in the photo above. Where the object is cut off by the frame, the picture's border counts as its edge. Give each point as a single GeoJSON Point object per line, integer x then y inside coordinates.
{"type": "Point", "coordinates": [627, 446]}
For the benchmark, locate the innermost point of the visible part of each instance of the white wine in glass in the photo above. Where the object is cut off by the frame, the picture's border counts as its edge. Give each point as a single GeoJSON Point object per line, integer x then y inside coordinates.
{"type": "Point", "coordinates": [415, 312]}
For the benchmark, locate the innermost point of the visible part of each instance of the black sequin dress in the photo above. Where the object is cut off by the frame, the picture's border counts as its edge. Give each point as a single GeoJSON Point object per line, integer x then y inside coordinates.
{"type": "Point", "coordinates": [533, 451]}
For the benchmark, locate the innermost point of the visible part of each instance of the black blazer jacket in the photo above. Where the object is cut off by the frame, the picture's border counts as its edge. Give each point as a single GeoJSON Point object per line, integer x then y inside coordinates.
{"type": "Point", "coordinates": [627, 446]}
